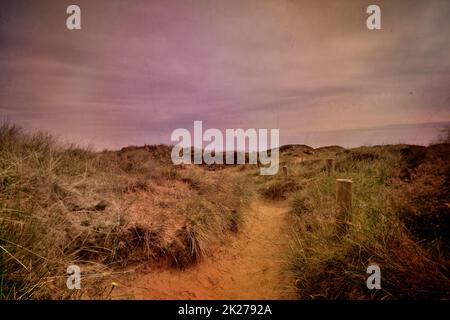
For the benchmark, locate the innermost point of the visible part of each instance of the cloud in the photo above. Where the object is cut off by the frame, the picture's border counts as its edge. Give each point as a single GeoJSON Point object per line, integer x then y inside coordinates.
{"type": "Point", "coordinates": [136, 71]}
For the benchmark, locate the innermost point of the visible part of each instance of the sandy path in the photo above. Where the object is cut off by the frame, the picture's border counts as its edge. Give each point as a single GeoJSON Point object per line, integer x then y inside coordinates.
{"type": "Point", "coordinates": [250, 267]}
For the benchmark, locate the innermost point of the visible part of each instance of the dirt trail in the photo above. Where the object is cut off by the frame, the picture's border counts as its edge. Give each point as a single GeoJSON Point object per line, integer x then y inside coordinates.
{"type": "Point", "coordinates": [250, 267]}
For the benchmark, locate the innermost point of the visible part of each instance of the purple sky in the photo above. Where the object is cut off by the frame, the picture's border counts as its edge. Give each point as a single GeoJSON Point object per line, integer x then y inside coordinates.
{"type": "Point", "coordinates": [140, 69]}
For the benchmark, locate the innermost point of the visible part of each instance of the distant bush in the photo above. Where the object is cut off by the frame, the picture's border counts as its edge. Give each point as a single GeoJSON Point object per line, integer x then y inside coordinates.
{"type": "Point", "coordinates": [278, 189]}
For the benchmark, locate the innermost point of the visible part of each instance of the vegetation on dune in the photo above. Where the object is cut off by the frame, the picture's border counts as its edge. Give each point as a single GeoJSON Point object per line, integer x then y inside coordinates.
{"type": "Point", "coordinates": [63, 205]}
{"type": "Point", "coordinates": [399, 224]}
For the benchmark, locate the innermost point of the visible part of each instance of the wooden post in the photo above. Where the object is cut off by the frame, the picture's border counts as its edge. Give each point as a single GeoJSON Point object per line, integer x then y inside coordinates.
{"type": "Point", "coordinates": [330, 165]}
{"type": "Point", "coordinates": [344, 204]}
{"type": "Point", "coordinates": [285, 172]}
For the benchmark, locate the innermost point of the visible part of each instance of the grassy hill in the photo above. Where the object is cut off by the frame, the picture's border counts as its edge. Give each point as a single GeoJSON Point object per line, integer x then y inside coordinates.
{"type": "Point", "coordinates": [108, 211]}
{"type": "Point", "coordinates": [62, 205]}
{"type": "Point", "coordinates": [400, 221]}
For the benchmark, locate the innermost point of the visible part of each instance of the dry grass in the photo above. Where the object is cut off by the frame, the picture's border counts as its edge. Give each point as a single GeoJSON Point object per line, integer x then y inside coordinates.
{"type": "Point", "coordinates": [327, 266]}
{"type": "Point", "coordinates": [63, 205]}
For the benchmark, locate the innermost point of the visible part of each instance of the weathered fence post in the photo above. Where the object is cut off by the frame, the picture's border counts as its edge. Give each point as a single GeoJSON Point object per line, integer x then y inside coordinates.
{"type": "Point", "coordinates": [330, 165]}
{"type": "Point", "coordinates": [285, 172]}
{"type": "Point", "coordinates": [344, 204]}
